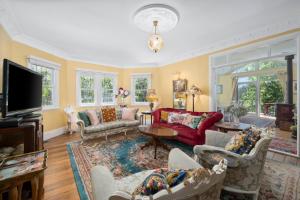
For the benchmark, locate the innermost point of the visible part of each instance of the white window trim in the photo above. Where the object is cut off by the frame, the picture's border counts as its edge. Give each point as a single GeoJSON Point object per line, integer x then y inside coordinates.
{"type": "Point", "coordinates": [98, 75]}
{"type": "Point", "coordinates": [133, 77]}
{"type": "Point", "coordinates": [33, 60]}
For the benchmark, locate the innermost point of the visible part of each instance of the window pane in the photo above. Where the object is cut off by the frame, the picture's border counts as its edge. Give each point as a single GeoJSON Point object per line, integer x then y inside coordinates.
{"type": "Point", "coordinates": [87, 96]}
{"type": "Point", "coordinates": [107, 90]}
{"type": "Point", "coordinates": [86, 82]}
{"type": "Point", "coordinates": [48, 84]}
{"type": "Point", "coordinates": [141, 87]}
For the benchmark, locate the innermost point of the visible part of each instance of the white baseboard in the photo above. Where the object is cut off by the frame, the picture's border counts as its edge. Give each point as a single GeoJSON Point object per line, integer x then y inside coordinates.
{"type": "Point", "coordinates": [54, 133]}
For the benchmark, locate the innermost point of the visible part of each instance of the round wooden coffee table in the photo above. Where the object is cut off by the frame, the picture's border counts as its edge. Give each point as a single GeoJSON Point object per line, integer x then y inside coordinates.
{"type": "Point", "coordinates": [156, 133]}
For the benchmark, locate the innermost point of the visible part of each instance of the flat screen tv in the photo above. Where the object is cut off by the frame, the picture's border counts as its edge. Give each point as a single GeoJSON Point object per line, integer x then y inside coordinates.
{"type": "Point", "coordinates": [22, 90]}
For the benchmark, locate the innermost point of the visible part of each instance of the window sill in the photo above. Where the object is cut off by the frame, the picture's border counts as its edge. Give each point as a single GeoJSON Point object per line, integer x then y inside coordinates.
{"type": "Point", "coordinates": [87, 105]}
{"type": "Point", "coordinates": [46, 108]}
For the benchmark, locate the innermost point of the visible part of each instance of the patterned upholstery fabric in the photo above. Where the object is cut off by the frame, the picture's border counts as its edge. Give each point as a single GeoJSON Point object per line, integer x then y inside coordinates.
{"type": "Point", "coordinates": [119, 113]}
{"type": "Point", "coordinates": [131, 123]}
{"type": "Point", "coordinates": [176, 118]}
{"type": "Point", "coordinates": [104, 126]}
{"type": "Point", "coordinates": [244, 171]}
{"type": "Point", "coordinates": [243, 142]}
{"type": "Point", "coordinates": [164, 116]}
{"type": "Point", "coordinates": [108, 114]}
{"type": "Point", "coordinates": [191, 121]}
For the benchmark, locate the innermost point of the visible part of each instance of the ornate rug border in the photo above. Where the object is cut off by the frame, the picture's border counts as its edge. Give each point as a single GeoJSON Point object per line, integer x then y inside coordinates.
{"type": "Point", "coordinates": [79, 183]}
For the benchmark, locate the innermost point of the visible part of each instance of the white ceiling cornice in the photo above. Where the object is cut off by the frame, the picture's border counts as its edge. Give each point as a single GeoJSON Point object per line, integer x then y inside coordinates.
{"type": "Point", "coordinates": [7, 20]}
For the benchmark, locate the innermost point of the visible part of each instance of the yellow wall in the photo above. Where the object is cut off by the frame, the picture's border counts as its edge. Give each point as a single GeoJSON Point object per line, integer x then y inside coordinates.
{"type": "Point", "coordinates": [195, 70]}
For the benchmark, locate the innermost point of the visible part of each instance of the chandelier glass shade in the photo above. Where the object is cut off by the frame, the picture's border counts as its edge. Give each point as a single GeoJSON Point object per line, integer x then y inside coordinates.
{"type": "Point", "coordinates": [155, 42]}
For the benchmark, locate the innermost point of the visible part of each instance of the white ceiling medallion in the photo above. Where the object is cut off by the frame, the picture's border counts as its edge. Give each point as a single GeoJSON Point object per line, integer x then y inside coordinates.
{"type": "Point", "coordinates": [167, 17]}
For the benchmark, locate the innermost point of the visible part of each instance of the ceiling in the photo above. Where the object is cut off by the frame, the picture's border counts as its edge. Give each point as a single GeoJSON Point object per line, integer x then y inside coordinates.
{"type": "Point", "coordinates": [103, 31]}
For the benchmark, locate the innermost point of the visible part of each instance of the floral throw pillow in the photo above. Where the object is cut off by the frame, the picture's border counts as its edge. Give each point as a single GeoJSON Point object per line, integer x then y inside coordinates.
{"type": "Point", "coordinates": [243, 142]}
{"type": "Point", "coordinates": [176, 118]}
{"type": "Point", "coordinates": [191, 121]}
{"type": "Point", "coordinates": [108, 114]}
{"type": "Point", "coordinates": [203, 117]}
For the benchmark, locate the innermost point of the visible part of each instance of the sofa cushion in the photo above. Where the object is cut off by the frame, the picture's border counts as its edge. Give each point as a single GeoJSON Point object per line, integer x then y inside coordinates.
{"type": "Point", "coordinates": [191, 121]}
{"type": "Point", "coordinates": [164, 116]}
{"type": "Point", "coordinates": [108, 114]}
{"type": "Point", "coordinates": [84, 117]}
{"type": "Point", "coordinates": [104, 126]}
{"type": "Point", "coordinates": [94, 119]}
{"type": "Point", "coordinates": [176, 118]}
{"type": "Point", "coordinates": [129, 113]}
{"type": "Point", "coordinates": [129, 123]}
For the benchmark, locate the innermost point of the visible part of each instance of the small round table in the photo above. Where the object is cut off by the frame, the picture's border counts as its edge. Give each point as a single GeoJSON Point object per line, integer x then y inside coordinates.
{"type": "Point", "coordinates": [144, 117]}
{"type": "Point", "coordinates": [156, 133]}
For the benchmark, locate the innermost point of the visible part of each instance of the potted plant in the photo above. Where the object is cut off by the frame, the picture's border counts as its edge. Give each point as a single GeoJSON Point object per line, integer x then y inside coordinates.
{"type": "Point", "coordinates": [237, 111]}
{"type": "Point", "coordinates": [122, 95]}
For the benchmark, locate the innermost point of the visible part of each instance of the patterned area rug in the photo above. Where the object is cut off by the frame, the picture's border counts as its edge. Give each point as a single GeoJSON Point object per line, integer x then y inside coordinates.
{"type": "Point", "coordinates": [124, 157]}
{"type": "Point", "coordinates": [285, 145]}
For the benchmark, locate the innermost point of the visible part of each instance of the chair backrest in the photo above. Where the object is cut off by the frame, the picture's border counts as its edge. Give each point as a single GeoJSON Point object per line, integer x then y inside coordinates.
{"type": "Point", "coordinates": [208, 188]}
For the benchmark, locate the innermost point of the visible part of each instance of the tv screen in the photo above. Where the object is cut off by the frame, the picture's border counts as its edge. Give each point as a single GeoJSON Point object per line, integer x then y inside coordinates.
{"type": "Point", "coordinates": [22, 90]}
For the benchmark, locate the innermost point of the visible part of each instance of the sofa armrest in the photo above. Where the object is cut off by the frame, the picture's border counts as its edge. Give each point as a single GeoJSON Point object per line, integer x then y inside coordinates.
{"type": "Point", "coordinates": [210, 121]}
{"type": "Point", "coordinates": [216, 138]}
{"type": "Point", "coordinates": [212, 155]}
{"type": "Point", "coordinates": [80, 124]}
{"type": "Point", "coordinates": [103, 183]}
{"type": "Point", "coordinates": [179, 160]}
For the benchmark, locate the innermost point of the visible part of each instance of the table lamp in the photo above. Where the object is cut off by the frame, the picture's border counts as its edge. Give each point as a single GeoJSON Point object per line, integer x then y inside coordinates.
{"type": "Point", "coordinates": [194, 90]}
{"type": "Point", "coordinates": [151, 97]}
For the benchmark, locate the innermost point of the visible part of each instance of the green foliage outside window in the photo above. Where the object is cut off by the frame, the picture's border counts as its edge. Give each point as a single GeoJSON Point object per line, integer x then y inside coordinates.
{"type": "Point", "coordinates": [141, 87]}
{"type": "Point", "coordinates": [107, 90]}
{"type": "Point", "coordinates": [87, 89]}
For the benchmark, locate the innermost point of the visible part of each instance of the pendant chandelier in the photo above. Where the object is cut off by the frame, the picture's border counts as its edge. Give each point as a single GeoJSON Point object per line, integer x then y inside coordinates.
{"type": "Point", "coordinates": [155, 42]}
{"type": "Point", "coordinates": [154, 15]}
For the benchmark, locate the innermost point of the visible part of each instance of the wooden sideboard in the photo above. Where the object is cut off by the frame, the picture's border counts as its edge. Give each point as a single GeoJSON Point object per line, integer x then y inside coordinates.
{"type": "Point", "coordinates": [30, 132]}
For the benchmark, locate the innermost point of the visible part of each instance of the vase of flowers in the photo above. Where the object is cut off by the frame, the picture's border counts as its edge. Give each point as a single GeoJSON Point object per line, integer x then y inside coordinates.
{"type": "Point", "coordinates": [236, 111]}
{"type": "Point", "coordinates": [121, 96]}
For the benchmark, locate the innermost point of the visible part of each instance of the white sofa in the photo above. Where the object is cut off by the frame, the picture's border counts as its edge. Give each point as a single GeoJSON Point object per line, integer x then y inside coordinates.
{"type": "Point", "coordinates": [105, 187]}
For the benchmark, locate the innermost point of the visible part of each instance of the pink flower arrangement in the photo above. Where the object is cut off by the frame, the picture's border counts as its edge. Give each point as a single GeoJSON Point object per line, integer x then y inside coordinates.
{"type": "Point", "coordinates": [122, 93]}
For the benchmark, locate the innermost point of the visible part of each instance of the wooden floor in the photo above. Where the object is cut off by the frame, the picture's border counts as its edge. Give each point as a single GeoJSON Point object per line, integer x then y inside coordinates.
{"type": "Point", "coordinates": [59, 180]}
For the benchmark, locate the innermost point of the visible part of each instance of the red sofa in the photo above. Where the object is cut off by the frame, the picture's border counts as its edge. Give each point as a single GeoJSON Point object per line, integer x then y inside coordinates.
{"type": "Point", "coordinates": [186, 134]}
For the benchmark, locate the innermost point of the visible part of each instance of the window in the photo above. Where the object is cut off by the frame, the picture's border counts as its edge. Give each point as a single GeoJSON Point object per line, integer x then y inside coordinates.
{"type": "Point", "coordinates": [87, 89]}
{"type": "Point", "coordinates": [140, 83]}
{"type": "Point", "coordinates": [108, 88]}
{"type": "Point", "coordinates": [49, 71]}
{"type": "Point", "coordinates": [96, 88]}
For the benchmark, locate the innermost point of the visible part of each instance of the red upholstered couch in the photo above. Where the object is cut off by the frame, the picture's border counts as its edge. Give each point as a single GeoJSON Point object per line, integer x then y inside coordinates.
{"type": "Point", "coordinates": [186, 134]}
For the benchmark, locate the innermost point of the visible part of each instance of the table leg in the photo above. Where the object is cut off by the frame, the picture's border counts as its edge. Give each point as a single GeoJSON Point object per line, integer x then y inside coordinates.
{"type": "Point", "coordinates": [34, 188]}
{"type": "Point", "coordinates": [13, 194]}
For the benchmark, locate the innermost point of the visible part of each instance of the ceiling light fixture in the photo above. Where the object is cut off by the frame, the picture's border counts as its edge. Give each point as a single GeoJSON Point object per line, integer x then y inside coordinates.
{"type": "Point", "coordinates": [155, 15]}
{"type": "Point", "coordinates": [155, 42]}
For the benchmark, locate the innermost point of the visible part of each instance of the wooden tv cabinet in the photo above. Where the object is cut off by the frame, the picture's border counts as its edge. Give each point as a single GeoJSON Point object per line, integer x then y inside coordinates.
{"type": "Point", "coordinates": [30, 132]}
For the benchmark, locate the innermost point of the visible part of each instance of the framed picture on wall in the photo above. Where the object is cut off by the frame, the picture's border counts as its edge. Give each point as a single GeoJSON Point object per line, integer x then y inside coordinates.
{"type": "Point", "coordinates": [180, 85]}
{"type": "Point", "coordinates": [180, 100]}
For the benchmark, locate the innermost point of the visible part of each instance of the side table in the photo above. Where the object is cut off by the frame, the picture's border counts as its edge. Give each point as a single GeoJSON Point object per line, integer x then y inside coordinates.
{"type": "Point", "coordinates": [17, 170]}
{"type": "Point", "coordinates": [144, 117]}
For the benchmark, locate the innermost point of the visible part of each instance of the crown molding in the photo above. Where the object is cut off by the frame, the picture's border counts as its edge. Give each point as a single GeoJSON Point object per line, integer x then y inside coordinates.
{"type": "Point", "coordinates": [7, 20]}
{"type": "Point", "coordinates": [257, 34]}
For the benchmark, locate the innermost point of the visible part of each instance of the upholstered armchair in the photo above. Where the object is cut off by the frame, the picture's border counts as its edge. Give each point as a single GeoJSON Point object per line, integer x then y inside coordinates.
{"type": "Point", "coordinates": [244, 172]}
{"type": "Point", "coordinates": [105, 187]}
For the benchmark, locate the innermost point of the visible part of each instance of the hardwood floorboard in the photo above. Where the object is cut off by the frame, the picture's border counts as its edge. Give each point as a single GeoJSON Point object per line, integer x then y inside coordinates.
{"type": "Point", "coordinates": [59, 179]}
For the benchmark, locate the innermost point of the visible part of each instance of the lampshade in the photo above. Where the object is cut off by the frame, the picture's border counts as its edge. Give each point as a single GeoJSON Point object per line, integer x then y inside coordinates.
{"type": "Point", "coordinates": [151, 96]}
{"type": "Point", "coordinates": [155, 42]}
{"type": "Point", "coordinates": [194, 90]}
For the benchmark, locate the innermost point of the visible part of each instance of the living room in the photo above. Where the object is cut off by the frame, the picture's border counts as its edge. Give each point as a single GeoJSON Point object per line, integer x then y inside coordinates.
{"type": "Point", "coordinates": [123, 88]}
